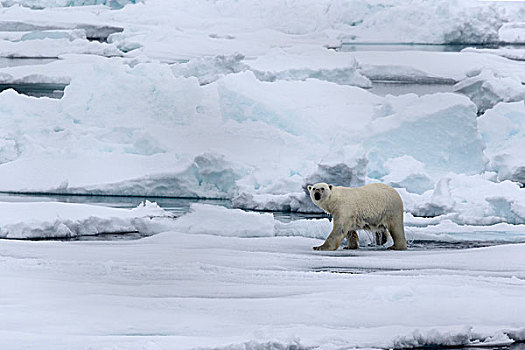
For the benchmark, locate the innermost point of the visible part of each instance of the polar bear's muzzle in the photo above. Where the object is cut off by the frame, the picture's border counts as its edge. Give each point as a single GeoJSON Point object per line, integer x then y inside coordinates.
{"type": "Point", "coordinates": [317, 196]}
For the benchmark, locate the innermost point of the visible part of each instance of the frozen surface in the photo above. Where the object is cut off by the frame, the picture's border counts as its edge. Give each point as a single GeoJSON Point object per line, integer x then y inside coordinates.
{"type": "Point", "coordinates": [39, 4]}
{"type": "Point", "coordinates": [249, 101]}
{"type": "Point", "coordinates": [513, 32]}
{"type": "Point", "coordinates": [235, 136]}
{"type": "Point", "coordinates": [244, 101]}
{"type": "Point", "coordinates": [488, 87]}
{"type": "Point", "coordinates": [197, 290]}
{"type": "Point", "coordinates": [220, 221]}
{"type": "Point", "coordinates": [41, 220]}
{"type": "Point", "coordinates": [47, 47]}
{"type": "Point", "coordinates": [503, 131]}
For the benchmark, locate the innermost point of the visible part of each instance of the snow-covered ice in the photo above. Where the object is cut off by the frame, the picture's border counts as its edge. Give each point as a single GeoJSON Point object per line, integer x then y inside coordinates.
{"type": "Point", "coordinates": [250, 102]}
{"type": "Point", "coordinates": [488, 87]}
{"type": "Point", "coordinates": [503, 131]}
{"type": "Point", "coordinates": [200, 290]}
{"type": "Point", "coordinates": [258, 109]}
{"type": "Point", "coordinates": [44, 220]}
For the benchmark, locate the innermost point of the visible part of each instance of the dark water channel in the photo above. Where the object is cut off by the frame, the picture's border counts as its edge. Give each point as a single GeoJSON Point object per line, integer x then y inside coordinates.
{"type": "Point", "coordinates": [451, 47]}
{"type": "Point", "coordinates": [52, 90]}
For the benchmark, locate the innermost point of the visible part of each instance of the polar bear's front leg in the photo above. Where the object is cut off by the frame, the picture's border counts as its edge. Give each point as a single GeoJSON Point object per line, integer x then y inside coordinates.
{"type": "Point", "coordinates": [334, 239]}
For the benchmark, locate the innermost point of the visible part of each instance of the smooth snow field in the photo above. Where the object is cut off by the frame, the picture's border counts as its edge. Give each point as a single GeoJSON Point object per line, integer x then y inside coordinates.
{"type": "Point", "coordinates": [155, 155]}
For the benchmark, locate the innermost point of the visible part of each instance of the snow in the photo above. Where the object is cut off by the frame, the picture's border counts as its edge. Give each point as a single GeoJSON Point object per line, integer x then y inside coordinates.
{"type": "Point", "coordinates": [488, 87]}
{"type": "Point", "coordinates": [220, 221]}
{"type": "Point", "coordinates": [213, 220]}
{"type": "Point", "coordinates": [341, 134]}
{"type": "Point", "coordinates": [409, 173]}
{"type": "Point", "coordinates": [47, 47]}
{"type": "Point", "coordinates": [513, 32]}
{"type": "Point", "coordinates": [512, 53]}
{"type": "Point", "coordinates": [41, 220]}
{"type": "Point", "coordinates": [205, 291]}
{"type": "Point", "coordinates": [250, 102]}
{"type": "Point", "coordinates": [503, 132]}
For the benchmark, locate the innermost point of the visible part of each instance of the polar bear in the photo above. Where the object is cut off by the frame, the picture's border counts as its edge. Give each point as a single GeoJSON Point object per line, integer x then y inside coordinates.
{"type": "Point", "coordinates": [375, 207]}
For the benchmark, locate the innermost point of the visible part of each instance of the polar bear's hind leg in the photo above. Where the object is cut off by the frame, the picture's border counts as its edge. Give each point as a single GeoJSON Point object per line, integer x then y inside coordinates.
{"type": "Point", "coordinates": [352, 240]}
{"type": "Point", "coordinates": [381, 236]}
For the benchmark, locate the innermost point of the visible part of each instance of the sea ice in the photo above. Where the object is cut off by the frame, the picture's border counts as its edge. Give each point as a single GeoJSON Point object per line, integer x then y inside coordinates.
{"type": "Point", "coordinates": [40, 4]}
{"type": "Point", "coordinates": [488, 87]}
{"type": "Point", "coordinates": [503, 131]}
{"type": "Point", "coordinates": [44, 220]}
{"type": "Point", "coordinates": [251, 293]}
{"type": "Point", "coordinates": [513, 32]}
{"type": "Point", "coordinates": [406, 172]}
{"type": "Point", "coordinates": [53, 46]}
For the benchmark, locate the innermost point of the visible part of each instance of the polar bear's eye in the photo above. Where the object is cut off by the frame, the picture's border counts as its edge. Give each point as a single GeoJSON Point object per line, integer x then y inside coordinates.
{"type": "Point", "coordinates": [322, 189]}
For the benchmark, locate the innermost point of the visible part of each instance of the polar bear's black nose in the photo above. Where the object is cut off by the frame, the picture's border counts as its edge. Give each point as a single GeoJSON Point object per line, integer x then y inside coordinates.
{"type": "Point", "coordinates": [317, 196]}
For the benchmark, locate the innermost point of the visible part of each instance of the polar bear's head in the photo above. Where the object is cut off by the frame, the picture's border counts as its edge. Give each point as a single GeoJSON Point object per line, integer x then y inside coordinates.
{"type": "Point", "coordinates": [320, 192]}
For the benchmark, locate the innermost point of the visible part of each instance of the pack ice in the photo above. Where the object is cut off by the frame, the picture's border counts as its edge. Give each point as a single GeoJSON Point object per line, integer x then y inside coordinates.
{"type": "Point", "coordinates": [250, 102]}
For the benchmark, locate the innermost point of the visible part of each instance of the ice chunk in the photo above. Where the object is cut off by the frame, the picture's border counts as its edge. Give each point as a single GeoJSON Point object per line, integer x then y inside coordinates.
{"type": "Point", "coordinates": [513, 32]}
{"type": "Point", "coordinates": [291, 64]}
{"type": "Point", "coordinates": [305, 228]}
{"type": "Point", "coordinates": [215, 220]}
{"type": "Point", "coordinates": [55, 34]}
{"type": "Point", "coordinates": [40, 220]}
{"type": "Point", "coordinates": [488, 87]}
{"type": "Point", "coordinates": [47, 47]}
{"type": "Point", "coordinates": [503, 131]}
{"type": "Point", "coordinates": [440, 201]}
{"type": "Point", "coordinates": [344, 167]}
{"type": "Point", "coordinates": [293, 201]}
{"type": "Point", "coordinates": [209, 69]}
{"type": "Point", "coordinates": [207, 176]}
{"type": "Point", "coordinates": [511, 53]}
{"type": "Point", "coordinates": [401, 74]}
{"type": "Point", "coordinates": [407, 172]}
{"type": "Point", "coordinates": [444, 128]}
{"type": "Point", "coordinates": [470, 200]}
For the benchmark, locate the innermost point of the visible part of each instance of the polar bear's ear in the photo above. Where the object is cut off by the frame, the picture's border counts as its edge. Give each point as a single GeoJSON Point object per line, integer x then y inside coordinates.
{"type": "Point", "coordinates": [309, 188]}
{"type": "Point", "coordinates": [330, 187]}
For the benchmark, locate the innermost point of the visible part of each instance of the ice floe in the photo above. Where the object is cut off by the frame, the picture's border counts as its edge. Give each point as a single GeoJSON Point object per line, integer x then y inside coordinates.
{"type": "Point", "coordinates": [52, 220]}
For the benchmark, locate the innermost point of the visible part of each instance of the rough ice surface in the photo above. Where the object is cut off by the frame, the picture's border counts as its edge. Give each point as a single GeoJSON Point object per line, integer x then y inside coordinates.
{"type": "Point", "coordinates": [503, 131]}
{"type": "Point", "coordinates": [251, 101]}
{"type": "Point", "coordinates": [44, 220]}
{"type": "Point", "coordinates": [513, 32]}
{"type": "Point", "coordinates": [444, 136]}
{"type": "Point", "coordinates": [407, 172]}
{"type": "Point", "coordinates": [339, 134]}
{"type": "Point", "coordinates": [54, 47]}
{"type": "Point", "coordinates": [488, 87]}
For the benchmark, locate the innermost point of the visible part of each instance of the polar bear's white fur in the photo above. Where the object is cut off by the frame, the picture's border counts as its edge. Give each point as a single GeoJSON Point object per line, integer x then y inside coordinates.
{"type": "Point", "coordinates": [375, 207]}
